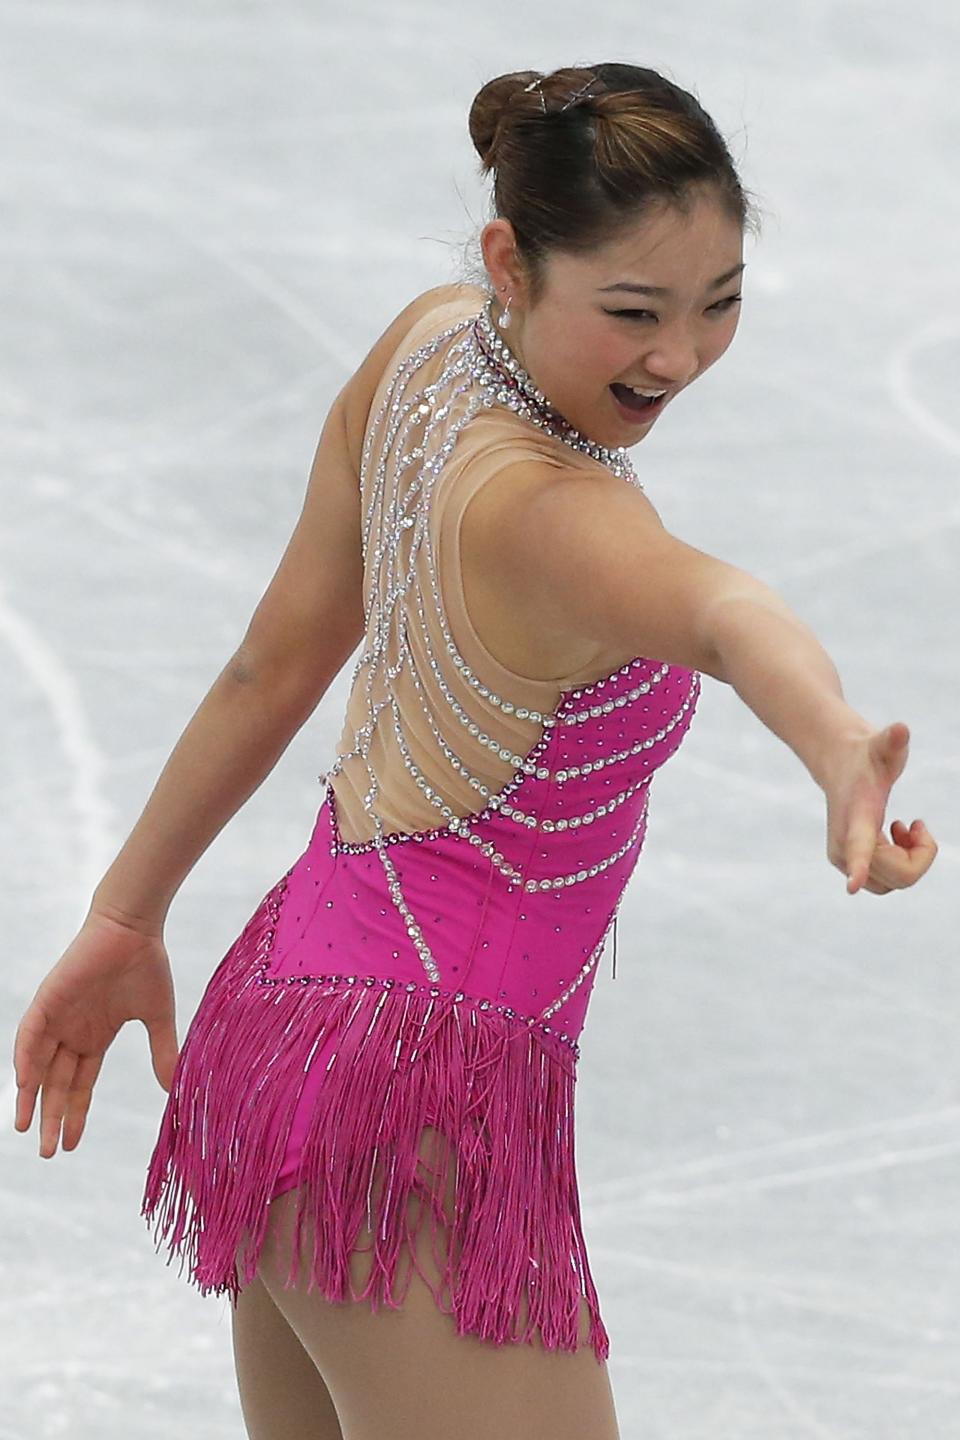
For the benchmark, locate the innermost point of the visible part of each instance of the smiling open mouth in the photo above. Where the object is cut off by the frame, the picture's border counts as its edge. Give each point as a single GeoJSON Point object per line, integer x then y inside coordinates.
{"type": "Point", "coordinates": [644, 405]}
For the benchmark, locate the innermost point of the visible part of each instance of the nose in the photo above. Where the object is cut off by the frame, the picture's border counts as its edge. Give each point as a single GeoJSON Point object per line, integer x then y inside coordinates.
{"type": "Point", "coordinates": [673, 358]}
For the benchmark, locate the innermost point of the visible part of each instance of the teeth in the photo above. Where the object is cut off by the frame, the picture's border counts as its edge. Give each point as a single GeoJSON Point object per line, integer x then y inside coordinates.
{"type": "Point", "coordinates": [650, 394]}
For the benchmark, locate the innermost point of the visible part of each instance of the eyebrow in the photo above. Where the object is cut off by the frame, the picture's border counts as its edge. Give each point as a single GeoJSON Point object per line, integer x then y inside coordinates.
{"type": "Point", "coordinates": [660, 290]}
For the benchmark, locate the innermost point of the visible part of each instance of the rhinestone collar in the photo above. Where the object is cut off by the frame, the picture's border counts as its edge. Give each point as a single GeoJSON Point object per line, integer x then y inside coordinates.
{"type": "Point", "coordinates": [519, 392]}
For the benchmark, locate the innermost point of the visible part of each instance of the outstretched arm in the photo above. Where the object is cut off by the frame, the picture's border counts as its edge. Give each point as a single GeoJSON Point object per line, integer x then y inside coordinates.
{"type": "Point", "coordinates": [604, 567]}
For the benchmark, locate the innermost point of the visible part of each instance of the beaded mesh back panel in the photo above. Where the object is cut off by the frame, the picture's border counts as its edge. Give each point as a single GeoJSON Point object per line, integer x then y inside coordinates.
{"type": "Point", "coordinates": [436, 727]}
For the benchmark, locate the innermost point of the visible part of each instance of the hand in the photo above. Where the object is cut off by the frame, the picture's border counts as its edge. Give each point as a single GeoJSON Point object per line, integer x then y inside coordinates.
{"type": "Point", "coordinates": [857, 789]}
{"type": "Point", "coordinates": [110, 973]}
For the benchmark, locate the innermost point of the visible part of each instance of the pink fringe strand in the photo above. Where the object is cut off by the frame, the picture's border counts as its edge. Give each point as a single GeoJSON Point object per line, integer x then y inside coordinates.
{"type": "Point", "coordinates": [499, 1092]}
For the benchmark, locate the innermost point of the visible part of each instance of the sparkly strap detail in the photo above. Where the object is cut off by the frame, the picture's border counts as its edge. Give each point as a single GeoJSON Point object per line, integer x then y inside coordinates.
{"type": "Point", "coordinates": [498, 803]}
{"type": "Point", "coordinates": [514, 387]}
{"type": "Point", "coordinates": [407, 445]}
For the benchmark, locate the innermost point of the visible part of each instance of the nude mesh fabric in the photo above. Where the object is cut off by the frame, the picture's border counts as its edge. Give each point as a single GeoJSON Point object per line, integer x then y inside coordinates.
{"type": "Point", "coordinates": [392, 485]}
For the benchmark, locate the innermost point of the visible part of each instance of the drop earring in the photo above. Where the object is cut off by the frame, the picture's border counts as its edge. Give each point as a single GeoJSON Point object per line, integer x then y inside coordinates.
{"type": "Point", "coordinates": [504, 320]}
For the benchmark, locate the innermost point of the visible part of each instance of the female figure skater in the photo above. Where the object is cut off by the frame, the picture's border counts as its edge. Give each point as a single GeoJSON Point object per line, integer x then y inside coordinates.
{"type": "Point", "coordinates": [393, 1036]}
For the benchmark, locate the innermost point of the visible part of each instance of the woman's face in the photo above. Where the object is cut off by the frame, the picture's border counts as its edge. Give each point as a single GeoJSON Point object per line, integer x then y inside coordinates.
{"type": "Point", "coordinates": [652, 309]}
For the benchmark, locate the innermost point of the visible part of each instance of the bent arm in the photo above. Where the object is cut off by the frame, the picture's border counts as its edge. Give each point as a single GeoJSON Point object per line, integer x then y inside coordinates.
{"type": "Point", "coordinates": [305, 626]}
{"type": "Point", "coordinates": [304, 629]}
{"type": "Point", "coordinates": [234, 739]}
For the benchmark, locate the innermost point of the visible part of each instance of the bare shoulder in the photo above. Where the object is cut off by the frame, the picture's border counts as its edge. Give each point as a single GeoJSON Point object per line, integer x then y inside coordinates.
{"type": "Point", "coordinates": [518, 618]}
{"type": "Point", "coordinates": [360, 389]}
{"type": "Point", "coordinates": [444, 294]}
{"type": "Point", "coordinates": [537, 499]}
{"type": "Point", "coordinates": [586, 554]}
{"type": "Point", "coordinates": [429, 300]}
{"type": "Point", "coordinates": [530, 501]}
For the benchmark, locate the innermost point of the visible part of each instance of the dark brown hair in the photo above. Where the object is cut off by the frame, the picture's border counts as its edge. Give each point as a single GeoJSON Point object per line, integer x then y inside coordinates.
{"type": "Point", "coordinates": [605, 143]}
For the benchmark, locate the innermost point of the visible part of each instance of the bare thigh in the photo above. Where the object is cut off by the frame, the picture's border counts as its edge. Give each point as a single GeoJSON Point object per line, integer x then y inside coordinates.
{"type": "Point", "coordinates": [282, 1394]}
{"type": "Point", "coordinates": [406, 1374]}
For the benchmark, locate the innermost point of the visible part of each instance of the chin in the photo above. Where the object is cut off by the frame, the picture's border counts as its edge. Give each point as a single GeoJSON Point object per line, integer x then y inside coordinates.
{"type": "Point", "coordinates": [636, 433]}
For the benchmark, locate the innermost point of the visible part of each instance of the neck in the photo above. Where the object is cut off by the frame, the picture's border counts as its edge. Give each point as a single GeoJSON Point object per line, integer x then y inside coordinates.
{"type": "Point", "coordinates": [513, 335]}
{"type": "Point", "coordinates": [520, 392]}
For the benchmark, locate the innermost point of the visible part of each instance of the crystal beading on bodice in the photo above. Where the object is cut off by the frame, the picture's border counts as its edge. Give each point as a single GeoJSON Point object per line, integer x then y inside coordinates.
{"type": "Point", "coordinates": [407, 445]}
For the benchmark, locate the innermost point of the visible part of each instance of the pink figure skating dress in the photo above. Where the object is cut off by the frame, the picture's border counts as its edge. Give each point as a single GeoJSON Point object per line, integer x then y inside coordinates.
{"type": "Point", "coordinates": [429, 958]}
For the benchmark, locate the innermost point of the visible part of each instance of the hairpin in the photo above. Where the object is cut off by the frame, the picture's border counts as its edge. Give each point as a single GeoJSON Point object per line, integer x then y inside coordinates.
{"type": "Point", "coordinates": [534, 84]}
{"type": "Point", "coordinates": [577, 94]}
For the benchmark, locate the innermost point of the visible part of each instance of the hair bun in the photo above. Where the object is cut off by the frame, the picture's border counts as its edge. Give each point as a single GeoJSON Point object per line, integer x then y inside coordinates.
{"type": "Point", "coordinates": [489, 107]}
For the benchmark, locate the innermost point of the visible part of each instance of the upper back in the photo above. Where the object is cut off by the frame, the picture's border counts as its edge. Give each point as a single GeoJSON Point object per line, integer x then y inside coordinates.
{"type": "Point", "coordinates": [424, 719]}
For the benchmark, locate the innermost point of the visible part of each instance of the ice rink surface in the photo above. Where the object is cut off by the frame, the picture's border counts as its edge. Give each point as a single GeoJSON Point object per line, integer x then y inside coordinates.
{"type": "Point", "coordinates": [210, 212]}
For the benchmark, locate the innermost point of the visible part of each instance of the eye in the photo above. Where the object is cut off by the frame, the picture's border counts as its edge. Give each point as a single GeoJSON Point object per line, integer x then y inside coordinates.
{"type": "Point", "coordinates": [632, 314]}
{"type": "Point", "coordinates": [726, 303]}
{"type": "Point", "coordinates": [720, 306]}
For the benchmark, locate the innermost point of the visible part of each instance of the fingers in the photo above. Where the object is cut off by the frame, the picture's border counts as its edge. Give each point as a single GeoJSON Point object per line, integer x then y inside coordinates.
{"type": "Point", "coordinates": [33, 1051]}
{"type": "Point", "coordinates": [876, 888]}
{"type": "Point", "coordinates": [858, 852]}
{"type": "Point", "coordinates": [26, 1099]}
{"type": "Point", "coordinates": [164, 1052]}
{"type": "Point", "coordinates": [901, 864]}
{"type": "Point", "coordinates": [53, 1099]}
{"type": "Point", "coordinates": [869, 855]}
{"type": "Point", "coordinates": [78, 1100]}
{"type": "Point", "coordinates": [65, 1087]}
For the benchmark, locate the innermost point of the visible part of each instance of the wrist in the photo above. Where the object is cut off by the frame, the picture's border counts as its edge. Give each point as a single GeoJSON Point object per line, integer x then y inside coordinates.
{"type": "Point", "coordinates": [844, 733]}
{"type": "Point", "coordinates": [145, 923]}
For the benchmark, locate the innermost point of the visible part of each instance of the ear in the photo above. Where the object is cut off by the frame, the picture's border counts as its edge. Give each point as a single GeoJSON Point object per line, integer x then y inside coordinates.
{"type": "Point", "coordinates": [498, 243]}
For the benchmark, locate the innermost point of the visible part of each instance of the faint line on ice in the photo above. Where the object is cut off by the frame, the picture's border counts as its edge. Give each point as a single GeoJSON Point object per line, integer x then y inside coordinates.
{"type": "Point", "coordinates": [901, 386]}
{"type": "Point", "coordinates": [611, 1189]}
{"type": "Point", "coordinates": [899, 996]}
{"type": "Point", "coordinates": [774, 1382]}
{"type": "Point", "coordinates": [888, 1160]}
{"type": "Point", "coordinates": [85, 764]}
{"type": "Point", "coordinates": [724, 1278]}
{"type": "Point", "coordinates": [891, 537]}
{"type": "Point", "coordinates": [883, 1379]}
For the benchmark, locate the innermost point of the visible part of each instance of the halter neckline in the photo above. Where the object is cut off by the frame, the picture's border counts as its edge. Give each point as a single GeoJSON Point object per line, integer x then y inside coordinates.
{"type": "Point", "coordinates": [520, 393]}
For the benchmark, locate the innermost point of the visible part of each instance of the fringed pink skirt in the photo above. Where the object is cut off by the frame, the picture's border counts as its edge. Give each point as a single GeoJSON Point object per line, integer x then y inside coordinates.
{"type": "Point", "coordinates": [290, 1079]}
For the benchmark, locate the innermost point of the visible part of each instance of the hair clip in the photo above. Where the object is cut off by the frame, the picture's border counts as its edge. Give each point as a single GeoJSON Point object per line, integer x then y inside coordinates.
{"type": "Point", "coordinates": [534, 85]}
{"type": "Point", "coordinates": [577, 94]}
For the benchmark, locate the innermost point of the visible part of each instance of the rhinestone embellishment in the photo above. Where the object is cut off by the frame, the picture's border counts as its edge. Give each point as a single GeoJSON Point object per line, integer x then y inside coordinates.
{"type": "Point", "coordinates": [407, 445]}
{"type": "Point", "coordinates": [516, 389]}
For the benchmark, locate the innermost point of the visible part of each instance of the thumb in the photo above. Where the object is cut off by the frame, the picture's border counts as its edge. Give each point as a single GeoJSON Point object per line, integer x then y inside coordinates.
{"type": "Point", "coordinates": [164, 1053]}
{"type": "Point", "coordinates": [895, 741]}
{"type": "Point", "coordinates": [858, 851]}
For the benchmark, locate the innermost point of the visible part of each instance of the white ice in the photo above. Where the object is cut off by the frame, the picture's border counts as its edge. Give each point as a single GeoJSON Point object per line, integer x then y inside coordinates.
{"type": "Point", "coordinates": [209, 213]}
